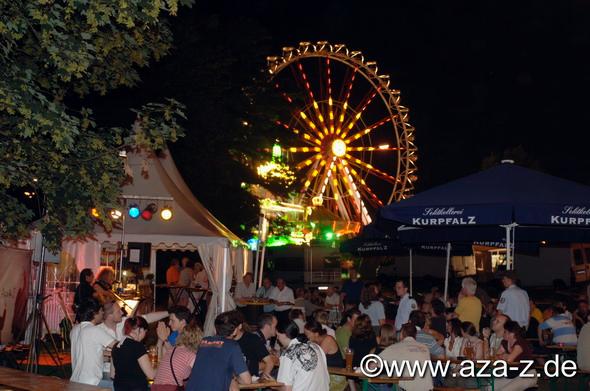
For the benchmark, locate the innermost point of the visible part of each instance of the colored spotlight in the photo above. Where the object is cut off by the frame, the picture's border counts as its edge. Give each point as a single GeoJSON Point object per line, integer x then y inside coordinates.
{"type": "Point", "coordinates": [94, 213]}
{"type": "Point", "coordinates": [134, 211]}
{"type": "Point", "coordinates": [166, 213]}
{"type": "Point", "coordinates": [116, 214]}
{"type": "Point", "coordinates": [149, 212]}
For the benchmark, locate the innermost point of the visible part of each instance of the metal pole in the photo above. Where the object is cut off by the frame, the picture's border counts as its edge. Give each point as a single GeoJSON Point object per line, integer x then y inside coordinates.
{"type": "Point", "coordinates": [122, 251]}
{"type": "Point", "coordinates": [411, 272]}
{"type": "Point", "coordinates": [224, 281]}
{"type": "Point", "coordinates": [261, 261]}
{"type": "Point", "coordinates": [508, 257]}
{"type": "Point", "coordinates": [447, 271]}
{"type": "Point", "coordinates": [513, 247]}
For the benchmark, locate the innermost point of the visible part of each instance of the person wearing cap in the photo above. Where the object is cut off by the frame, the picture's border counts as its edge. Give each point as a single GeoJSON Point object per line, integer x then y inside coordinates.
{"type": "Point", "coordinates": [514, 301]}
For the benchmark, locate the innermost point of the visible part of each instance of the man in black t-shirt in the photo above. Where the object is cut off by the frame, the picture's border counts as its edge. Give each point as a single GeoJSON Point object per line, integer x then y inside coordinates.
{"type": "Point", "coordinates": [254, 348]}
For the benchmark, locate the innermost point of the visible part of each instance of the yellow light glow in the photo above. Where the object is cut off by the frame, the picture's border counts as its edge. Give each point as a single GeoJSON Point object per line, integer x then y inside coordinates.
{"type": "Point", "coordinates": [339, 148]}
{"type": "Point", "coordinates": [94, 213]}
{"type": "Point", "coordinates": [384, 146]}
{"type": "Point", "coordinates": [116, 214]}
{"type": "Point", "coordinates": [166, 214]}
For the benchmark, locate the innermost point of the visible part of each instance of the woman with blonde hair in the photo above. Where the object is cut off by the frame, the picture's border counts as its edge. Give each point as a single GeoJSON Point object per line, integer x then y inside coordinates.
{"type": "Point", "coordinates": [385, 338]}
{"type": "Point", "coordinates": [176, 364]}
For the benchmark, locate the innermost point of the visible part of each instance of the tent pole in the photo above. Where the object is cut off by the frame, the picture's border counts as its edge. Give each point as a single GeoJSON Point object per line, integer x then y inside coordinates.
{"type": "Point", "coordinates": [261, 261]}
{"type": "Point", "coordinates": [513, 245]}
{"type": "Point", "coordinates": [447, 271]}
{"type": "Point", "coordinates": [411, 273]}
{"type": "Point", "coordinates": [224, 281]}
{"type": "Point", "coordinates": [256, 282]}
{"type": "Point", "coordinates": [508, 257]}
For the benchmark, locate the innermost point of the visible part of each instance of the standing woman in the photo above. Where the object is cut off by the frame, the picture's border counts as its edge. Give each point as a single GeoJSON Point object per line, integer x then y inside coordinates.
{"type": "Point", "coordinates": [84, 291]}
{"type": "Point", "coordinates": [131, 367]}
{"type": "Point", "coordinates": [371, 306]}
{"type": "Point", "coordinates": [103, 285]}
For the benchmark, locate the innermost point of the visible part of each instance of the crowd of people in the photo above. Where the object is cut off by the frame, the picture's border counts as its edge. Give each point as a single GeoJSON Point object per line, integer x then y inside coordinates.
{"type": "Point", "coordinates": [295, 337]}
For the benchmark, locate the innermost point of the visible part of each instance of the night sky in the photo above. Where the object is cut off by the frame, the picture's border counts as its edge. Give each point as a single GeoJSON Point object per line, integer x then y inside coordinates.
{"type": "Point", "coordinates": [479, 77]}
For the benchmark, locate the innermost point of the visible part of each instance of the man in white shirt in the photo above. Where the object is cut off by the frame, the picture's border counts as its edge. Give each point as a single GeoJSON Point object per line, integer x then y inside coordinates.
{"type": "Point", "coordinates": [283, 299]}
{"type": "Point", "coordinates": [113, 325]}
{"type": "Point", "coordinates": [303, 365]}
{"type": "Point", "coordinates": [413, 352]}
{"type": "Point", "coordinates": [244, 290]}
{"type": "Point", "coordinates": [88, 343]}
{"type": "Point", "coordinates": [514, 301]}
{"type": "Point", "coordinates": [265, 292]}
{"type": "Point", "coordinates": [406, 305]}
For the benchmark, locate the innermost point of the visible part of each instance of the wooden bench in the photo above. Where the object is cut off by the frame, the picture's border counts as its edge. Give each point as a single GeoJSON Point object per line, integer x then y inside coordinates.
{"type": "Point", "coordinates": [16, 379]}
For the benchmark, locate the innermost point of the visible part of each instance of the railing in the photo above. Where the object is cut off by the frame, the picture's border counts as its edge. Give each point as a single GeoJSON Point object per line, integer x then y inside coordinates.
{"type": "Point", "coordinates": [322, 277]}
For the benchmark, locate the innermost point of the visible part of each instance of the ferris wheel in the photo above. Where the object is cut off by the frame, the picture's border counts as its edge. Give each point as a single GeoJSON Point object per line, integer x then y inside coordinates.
{"type": "Point", "coordinates": [352, 146]}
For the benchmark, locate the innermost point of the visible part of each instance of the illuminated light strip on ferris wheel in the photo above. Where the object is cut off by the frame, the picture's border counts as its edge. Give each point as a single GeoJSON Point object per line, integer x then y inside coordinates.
{"type": "Point", "coordinates": [330, 108]}
{"type": "Point", "coordinates": [307, 137]}
{"type": "Point", "coordinates": [308, 162]}
{"type": "Point", "coordinates": [353, 190]}
{"type": "Point", "coordinates": [365, 218]}
{"type": "Point", "coordinates": [364, 185]}
{"type": "Point", "coordinates": [346, 99]}
{"type": "Point", "coordinates": [371, 169]}
{"type": "Point", "coordinates": [355, 119]}
{"type": "Point", "coordinates": [311, 96]}
{"type": "Point", "coordinates": [367, 130]}
{"type": "Point", "coordinates": [360, 180]}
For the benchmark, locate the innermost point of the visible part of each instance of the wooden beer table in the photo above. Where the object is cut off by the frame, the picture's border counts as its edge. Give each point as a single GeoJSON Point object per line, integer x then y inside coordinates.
{"type": "Point", "coordinates": [255, 301]}
{"type": "Point", "coordinates": [367, 381]}
{"type": "Point", "coordinates": [260, 385]}
{"type": "Point", "coordinates": [19, 380]}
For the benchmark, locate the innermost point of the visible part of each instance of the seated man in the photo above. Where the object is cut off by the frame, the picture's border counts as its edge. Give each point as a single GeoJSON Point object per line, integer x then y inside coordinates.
{"type": "Point", "coordinates": [497, 336]}
{"type": "Point", "coordinates": [408, 349]}
{"type": "Point", "coordinates": [303, 364]}
{"type": "Point", "coordinates": [220, 357]}
{"type": "Point", "coordinates": [254, 348]}
{"type": "Point", "coordinates": [562, 328]}
{"type": "Point", "coordinates": [418, 319]}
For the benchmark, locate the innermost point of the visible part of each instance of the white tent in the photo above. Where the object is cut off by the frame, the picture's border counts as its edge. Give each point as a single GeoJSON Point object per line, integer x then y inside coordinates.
{"type": "Point", "coordinates": [155, 179]}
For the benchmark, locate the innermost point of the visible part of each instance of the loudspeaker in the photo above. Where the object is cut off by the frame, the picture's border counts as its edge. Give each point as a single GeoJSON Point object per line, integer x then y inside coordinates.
{"type": "Point", "coordinates": [138, 254]}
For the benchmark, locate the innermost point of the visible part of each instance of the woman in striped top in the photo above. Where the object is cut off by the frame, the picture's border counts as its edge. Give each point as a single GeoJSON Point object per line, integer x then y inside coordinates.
{"type": "Point", "coordinates": [176, 364]}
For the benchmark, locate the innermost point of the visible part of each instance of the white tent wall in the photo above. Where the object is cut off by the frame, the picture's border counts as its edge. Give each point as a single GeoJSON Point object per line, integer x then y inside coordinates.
{"type": "Point", "coordinates": [217, 262]}
{"type": "Point", "coordinates": [155, 179]}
